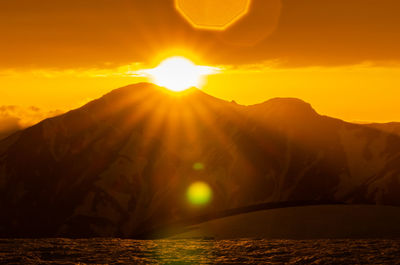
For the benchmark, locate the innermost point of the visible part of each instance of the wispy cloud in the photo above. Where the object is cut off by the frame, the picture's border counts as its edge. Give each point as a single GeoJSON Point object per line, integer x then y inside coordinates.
{"type": "Point", "coordinates": [14, 118]}
{"type": "Point", "coordinates": [129, 70]}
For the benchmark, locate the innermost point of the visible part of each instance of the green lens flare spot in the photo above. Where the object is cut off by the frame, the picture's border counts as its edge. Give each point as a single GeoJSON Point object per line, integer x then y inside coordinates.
{"type": "Point", "coordinates": [198, 166]}
{"type": "Point", "coordinates": [199, 193]}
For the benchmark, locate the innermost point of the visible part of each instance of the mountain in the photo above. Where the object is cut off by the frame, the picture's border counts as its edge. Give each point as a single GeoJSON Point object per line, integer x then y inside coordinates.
{"type": "Point", "coordinates": [121, 165]}
{"type": "Point", "coordinates": [391, 127]}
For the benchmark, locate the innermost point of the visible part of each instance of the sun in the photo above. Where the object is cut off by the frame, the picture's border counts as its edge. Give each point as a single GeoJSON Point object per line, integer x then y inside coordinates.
{"type": "Point", "coordinates": [179, 73]}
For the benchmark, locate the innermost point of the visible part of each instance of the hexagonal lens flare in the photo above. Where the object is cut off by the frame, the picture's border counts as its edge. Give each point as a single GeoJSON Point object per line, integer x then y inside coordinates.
{"type": "Point", "coordinates": [212, 14]}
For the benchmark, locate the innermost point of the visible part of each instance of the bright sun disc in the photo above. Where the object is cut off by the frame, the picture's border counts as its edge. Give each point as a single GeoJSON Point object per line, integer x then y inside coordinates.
{"type": "Point", "coordinates": [178, 74]}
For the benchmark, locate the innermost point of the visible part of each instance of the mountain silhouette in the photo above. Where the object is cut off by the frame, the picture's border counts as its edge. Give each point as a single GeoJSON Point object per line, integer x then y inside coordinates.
{"type": "Point", "coordinates": [121, 165]}
{"type": "Point", "coordinates": [391, 127]}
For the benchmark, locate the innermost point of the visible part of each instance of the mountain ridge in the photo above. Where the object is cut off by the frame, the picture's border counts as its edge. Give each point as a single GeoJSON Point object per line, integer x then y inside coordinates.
{"type": "Point", "coordinates": [121, 164]}
{"type": "Point", "coordinates": [130, 89]}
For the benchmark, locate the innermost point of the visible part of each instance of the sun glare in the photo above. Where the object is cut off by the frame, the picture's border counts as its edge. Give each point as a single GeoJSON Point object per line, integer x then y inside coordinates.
{"type": "Point", "coordinates": [178, 74]}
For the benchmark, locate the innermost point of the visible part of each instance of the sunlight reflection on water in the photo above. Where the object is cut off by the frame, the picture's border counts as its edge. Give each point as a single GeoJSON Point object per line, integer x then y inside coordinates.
{"type": "Point", "coordinates": [243, 251]}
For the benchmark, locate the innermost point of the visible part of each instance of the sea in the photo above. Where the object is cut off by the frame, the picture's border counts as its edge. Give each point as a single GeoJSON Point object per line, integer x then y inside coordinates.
{"type": "Point", "coordinates": [198, 251]}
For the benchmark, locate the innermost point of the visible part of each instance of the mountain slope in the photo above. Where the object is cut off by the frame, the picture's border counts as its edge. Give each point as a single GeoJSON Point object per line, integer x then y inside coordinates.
{"type": "Point", "coordinates": [121, 165]}
{"type": "Point", "coordinates": [391, 127]}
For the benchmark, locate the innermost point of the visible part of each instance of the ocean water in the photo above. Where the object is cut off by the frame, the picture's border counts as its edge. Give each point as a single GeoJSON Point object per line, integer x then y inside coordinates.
{"type": "Point", "coordinates": [241, 251]}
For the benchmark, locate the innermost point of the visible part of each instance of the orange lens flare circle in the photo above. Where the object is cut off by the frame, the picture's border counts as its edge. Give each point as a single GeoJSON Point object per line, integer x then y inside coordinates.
{"type": "Point", "coordinates": [212, 14]}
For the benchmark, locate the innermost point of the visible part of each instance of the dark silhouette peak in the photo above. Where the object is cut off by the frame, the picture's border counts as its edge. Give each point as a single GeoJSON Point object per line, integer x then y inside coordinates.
{"type": "Point", "coordinates": [286, 101]}
{"type": "Point", "coordinates": [287, 106]}
{"type": "Point", "coordinates": [146, 92]}
{"type": "Point", "coordinates": [133, 89]}
{"type": "Point", "coordinates": [153, 94]}
{"type": "Point", "coordinates": [150, 90]}
{"type": "Point", "coordinates": [291, 103]}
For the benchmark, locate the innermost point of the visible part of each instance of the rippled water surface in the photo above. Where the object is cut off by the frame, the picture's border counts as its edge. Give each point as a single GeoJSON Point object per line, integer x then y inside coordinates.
{"type": "Point", "coordinates": [243, 251]}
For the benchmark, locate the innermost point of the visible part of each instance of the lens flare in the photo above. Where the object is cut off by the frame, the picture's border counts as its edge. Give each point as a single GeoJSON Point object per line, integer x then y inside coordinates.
{"type": "Point", "coordinates": [198, 166]}
{"type": "Point", "coordinates": [212, 14]}
{"type": "Point", "coordinates": [199, 193]}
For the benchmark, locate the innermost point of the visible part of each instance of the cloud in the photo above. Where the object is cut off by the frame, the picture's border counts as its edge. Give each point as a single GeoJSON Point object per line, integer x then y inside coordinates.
{"type": "Point", "coordinates": [14, 118]}
{"type": "Point", "coordinates": [110, 33]}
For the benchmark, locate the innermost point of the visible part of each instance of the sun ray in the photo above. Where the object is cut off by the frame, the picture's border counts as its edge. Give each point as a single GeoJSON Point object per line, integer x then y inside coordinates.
{"type": "Point", "coordinates": [206, 116]}
{"type": "Point", "coordinates": [155, 123]}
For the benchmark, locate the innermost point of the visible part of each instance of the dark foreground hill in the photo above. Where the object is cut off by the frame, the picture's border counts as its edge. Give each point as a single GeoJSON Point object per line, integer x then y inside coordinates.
{"type": "Point", "coordinates": [121, 165]}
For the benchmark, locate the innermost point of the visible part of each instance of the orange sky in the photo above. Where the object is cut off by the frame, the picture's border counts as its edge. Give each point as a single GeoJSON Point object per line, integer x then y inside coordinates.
{"type": "Point", "coordinates": [342, 56]}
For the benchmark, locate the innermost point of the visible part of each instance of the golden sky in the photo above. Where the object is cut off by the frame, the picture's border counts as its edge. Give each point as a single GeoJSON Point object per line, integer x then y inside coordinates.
{"type": "Point", "coordinates": [342, 56]}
